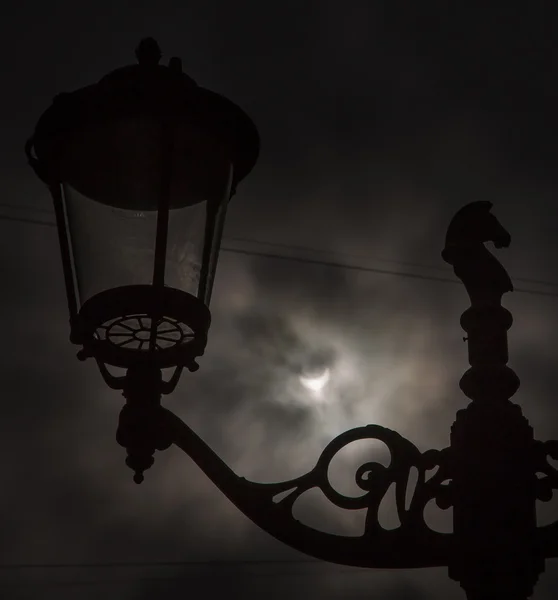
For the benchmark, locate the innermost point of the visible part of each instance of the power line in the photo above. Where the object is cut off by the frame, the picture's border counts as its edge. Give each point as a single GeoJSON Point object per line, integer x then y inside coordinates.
{"type": "Point", "coordinates": [325, 263]}
{"type": "Point", "coordinates": [27, 220]}
{"type": "Point", "coordinates": [338, 570]}
{"type": "Point", "coordinates": [217, 568]}
{"type": "Point", "coordinates": [373, 270]}
{"type": "Point", "coordinates": [280, 256]}
{"type": "Point", "coordinates": [376, 258]}
{"type": "Point", "coordinates": [303, 248]}
{"type": "Point", "coordinates": [285, 246]}
{"type": "Point", "coordinates": [332, 252]}
{"type": "Point", "coordinates": [338, 265]}
{"type": "Point", "coordinates": [27, 207]}
{"type": "Point", "coordinates": [168, 563]}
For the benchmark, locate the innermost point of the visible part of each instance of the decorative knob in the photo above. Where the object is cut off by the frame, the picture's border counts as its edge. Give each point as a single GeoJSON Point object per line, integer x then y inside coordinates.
{"type": "Point", "coordinates": [148, 52]}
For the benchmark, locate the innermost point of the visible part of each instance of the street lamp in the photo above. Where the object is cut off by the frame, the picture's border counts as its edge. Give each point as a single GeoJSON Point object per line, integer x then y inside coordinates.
{"type": "Point", "coordinates": [141, 167]}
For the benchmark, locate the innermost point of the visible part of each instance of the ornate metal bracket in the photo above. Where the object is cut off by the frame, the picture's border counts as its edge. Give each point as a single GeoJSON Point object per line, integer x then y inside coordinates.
{"type": "Point", "coordinates": [413, 544]}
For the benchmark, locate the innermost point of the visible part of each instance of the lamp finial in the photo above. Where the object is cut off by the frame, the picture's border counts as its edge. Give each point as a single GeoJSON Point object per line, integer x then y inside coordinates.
{"type": "Point", "coordinates": [148, 52]}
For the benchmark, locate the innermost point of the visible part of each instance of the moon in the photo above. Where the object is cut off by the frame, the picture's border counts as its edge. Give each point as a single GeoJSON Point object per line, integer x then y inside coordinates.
{"type": "Point", "coordinates": [316, 383]}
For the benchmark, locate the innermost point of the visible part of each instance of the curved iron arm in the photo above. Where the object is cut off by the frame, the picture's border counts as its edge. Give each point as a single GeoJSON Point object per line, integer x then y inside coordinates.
{"type": "Point", "coordinates": [411, 545]}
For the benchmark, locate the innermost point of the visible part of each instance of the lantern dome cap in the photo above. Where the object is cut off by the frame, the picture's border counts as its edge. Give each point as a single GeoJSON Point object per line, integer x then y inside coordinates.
{"type": "Point", "coordinates": [144, 89]}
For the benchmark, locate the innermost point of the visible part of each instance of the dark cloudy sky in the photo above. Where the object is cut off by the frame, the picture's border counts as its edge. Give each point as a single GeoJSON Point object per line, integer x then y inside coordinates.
{"type": "Point", "coordinates": [378, 121]}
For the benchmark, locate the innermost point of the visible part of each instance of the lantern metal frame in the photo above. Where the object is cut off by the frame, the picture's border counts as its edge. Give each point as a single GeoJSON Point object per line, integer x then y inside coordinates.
{"type": "Point", "coordinates": [162, 93]}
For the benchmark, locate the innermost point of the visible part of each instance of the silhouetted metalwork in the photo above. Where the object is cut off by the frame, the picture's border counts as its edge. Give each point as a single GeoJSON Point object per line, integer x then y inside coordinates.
{"type": "Point", "coordinates": [146, 141]}
{"type": "Point", "coordinates": [494, 486]}
{"type": "Point", "coordinates": [141, 166]}
{"type": "Point", "coordinates": [270, 505]}
{"type": "Point", "coordinates": [485, 279]}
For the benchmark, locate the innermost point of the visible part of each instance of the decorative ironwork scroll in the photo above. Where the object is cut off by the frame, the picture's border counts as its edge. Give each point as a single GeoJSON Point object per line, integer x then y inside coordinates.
{"type": "Point", "coordinates": [413, 544]}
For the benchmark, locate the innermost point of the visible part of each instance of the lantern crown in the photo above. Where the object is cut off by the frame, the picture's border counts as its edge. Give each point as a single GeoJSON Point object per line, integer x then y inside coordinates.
{"type": "Point", "coordinates": [75, 128]}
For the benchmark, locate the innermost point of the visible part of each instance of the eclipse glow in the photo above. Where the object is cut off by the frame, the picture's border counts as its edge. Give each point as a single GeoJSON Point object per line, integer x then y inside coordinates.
{"type": "Point", "coordinates": [316, 383]}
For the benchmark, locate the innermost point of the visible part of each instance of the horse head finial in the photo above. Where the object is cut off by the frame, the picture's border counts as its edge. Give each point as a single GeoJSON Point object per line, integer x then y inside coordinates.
{"type": "Point", "coordinates": [484, 277]}
{"type": "Point", "coordinates": [473, 225]}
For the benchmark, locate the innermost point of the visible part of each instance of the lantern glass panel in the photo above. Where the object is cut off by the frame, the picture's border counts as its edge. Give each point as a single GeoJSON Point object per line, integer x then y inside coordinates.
{"type": "Point", "coordinates": [147, 172]}
{"type": "Point", "coordinates": [111, 246]}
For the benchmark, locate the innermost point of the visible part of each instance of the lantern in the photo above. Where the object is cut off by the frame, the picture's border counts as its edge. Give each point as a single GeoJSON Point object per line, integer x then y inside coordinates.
{"type": "Point", "coordinates": [141, 166]}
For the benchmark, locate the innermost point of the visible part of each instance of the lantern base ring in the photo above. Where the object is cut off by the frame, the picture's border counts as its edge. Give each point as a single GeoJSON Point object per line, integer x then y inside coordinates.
{"type": "Point", "coordinates": [128, 325]}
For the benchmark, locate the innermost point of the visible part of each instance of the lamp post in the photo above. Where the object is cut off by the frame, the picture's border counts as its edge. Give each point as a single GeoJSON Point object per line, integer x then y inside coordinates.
{"type": "Point", "coordinates": [141, 167]}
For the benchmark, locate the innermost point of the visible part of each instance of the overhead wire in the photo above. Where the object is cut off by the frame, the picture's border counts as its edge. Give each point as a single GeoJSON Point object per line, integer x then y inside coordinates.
{"type": "Point", "coordinates": [368, 257]}
{"type": "Point", "coordinates": [325, 263]}
{"type": "Point", "coordinates": [220, 567]}
{"type": "Point", "coordinates": [131, 580]}
{"type": "Point", "coordinates": [27, 207]}
{"type": "Point", "coordinates": [168, 563]}
{"type": "Point", "coordinates": [291, 247]}
{"type": "Point", "coordinates": [302, 248]}
{"type": "Point", "coordinates": [334, 252]}
{"type": "Point", "coordinates": [100, 579]}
